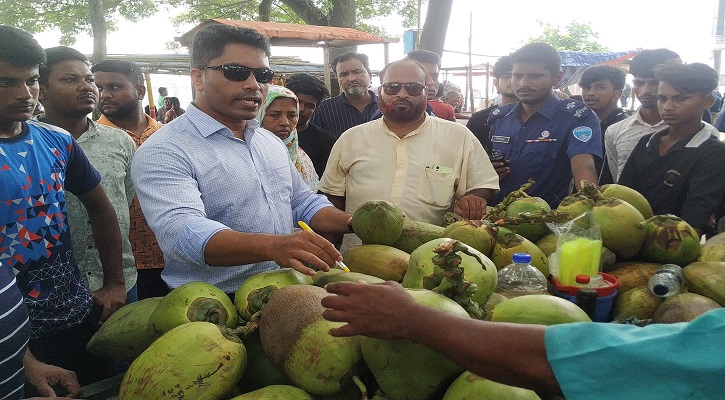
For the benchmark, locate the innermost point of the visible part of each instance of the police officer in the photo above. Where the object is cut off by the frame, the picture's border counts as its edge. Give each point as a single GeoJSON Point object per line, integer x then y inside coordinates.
{"type": "Point", "coordinates": [547, 139]}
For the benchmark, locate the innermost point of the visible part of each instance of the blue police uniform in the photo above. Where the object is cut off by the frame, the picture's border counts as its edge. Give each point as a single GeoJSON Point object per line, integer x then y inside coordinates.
{"type": "Point", "coordinates": [541, 148]}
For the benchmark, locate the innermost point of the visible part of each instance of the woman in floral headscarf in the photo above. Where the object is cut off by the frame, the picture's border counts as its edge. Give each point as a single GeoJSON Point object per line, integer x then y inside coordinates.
{"type": "Point", "coordinates": [279, 115]}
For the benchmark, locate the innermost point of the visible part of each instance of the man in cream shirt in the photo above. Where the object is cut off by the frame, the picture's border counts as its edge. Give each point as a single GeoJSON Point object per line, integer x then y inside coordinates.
{"type": "Point", "coordinates": [425, 165]}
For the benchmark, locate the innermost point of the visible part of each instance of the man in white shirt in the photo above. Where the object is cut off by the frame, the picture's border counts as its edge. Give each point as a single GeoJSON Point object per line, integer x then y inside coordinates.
{"type": "Point", "coordinates": [620, 138]}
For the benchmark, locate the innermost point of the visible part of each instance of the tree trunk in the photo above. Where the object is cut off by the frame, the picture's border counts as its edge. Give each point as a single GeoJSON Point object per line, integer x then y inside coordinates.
{"type": "Point", "coordinates": [99, 29]}
{"type": "Point", "coordinates": [433, 37]}
{"type": "Point", "coordinates": [307, 10]}
{"type": "Point", "coordinates": [342, 14]}
{"type": "Point", "coordinates": [265, 10]}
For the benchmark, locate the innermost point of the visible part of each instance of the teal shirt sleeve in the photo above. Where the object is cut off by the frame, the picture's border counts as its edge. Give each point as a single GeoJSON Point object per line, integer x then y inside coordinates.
{"type": "Point", "coordinates": [659, 361]}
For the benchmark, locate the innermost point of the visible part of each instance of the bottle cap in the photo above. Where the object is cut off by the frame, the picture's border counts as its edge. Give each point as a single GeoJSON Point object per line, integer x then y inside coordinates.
{"type": "Point", "coordinates": [583, 279]}
{"type": "Point", "coordinates": [522, 258]}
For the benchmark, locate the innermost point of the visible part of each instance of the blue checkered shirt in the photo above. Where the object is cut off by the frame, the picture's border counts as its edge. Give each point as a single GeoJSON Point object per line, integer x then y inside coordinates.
{"type": "Point", "coordinates": [194, 178]}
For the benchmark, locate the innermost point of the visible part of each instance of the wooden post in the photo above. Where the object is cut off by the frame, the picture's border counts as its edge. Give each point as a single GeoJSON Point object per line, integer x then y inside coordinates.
{"type": "Point", "coordinates": [150, 95]}
{"type": "Point", "coordinates": [326, 68]}
{"type": "Point", "coordinates": [469, 79]}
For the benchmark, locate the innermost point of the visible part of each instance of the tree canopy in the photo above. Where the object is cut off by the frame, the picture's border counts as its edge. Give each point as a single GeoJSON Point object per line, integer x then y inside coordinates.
{"type": "Point", "coordinates": [74, 17]}
{"type": "Point", "coordinates": [576, 36]}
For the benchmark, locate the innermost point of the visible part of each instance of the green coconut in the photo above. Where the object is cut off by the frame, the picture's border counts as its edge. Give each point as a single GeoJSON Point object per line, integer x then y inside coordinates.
{"type": "Point", "coordinates": [384, 262]}
{"type": "Point", "coordinates": [193, 301]}
{"type": "Point", "coordinates": [260, 371]}
{"type": "Point", "coordinates": [411, 371]}
{"type": "Point", "coordinates": [638, 302]}
{"type": "Point", "coordinates": [470, 386]}
{"type": "Point", "coordinates": [124, 335]}
{"type": "Point", "coordinates": [575, 205]}
{"type": "Point", "coordinates": [254, 293]}
{"type": "Point", "coordinates": [619, 226]}
{"type": "Point", "coordinates": [629, 195]}
{"type": "Point", "coordinates": [481, 235]}
{"type": "Point", "coordinates": [378, 222]}
{"type": "Point", "coordinates": [683, 307]}
{"type": "Point", "coordinates": [548, 244]}
{"type": "Point", "coordinates": [296, 339]}
{"type": "Point", "coordinates": [421, 269]}
{"type": "Point", "coordinates": [670, 240]}
{"type": "Point", "coordinates": [276, 392]}
{"type": "Point", "coordinates": [196, 360]}
{"type": "Point", "coordinates": [539, 309]}
{"type": "Point", "coordinates": [531, 231]}
{"type": "Point", "coordinates": [416, 233]}
{"type": "Point", "coordinates": [509, 243]}
{"type": "Point", "coordinates": [337, 275]}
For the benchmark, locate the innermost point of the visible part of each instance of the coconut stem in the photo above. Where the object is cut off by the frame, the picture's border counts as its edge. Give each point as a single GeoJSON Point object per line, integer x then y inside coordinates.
{"type": "Point", "coordinates": [540, 216]}
{"type": "Point", "coordinates": [450, 282]}
{"type": "Point", "coordinates": [590, 190]}
{"type": "Point", "coordinates": [501, 207]}
{"type": "Point", "coordinates": [250, 327]}
{"type": "Point", "coordinates": [257, 299]}
{"type": "Point", "coordinates": [361, 386]}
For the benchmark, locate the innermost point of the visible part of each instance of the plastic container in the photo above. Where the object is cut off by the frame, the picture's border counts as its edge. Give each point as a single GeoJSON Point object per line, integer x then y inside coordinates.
{"type": "Point", "coordinates": [580, 256]}
{"type": "Point", "coordinates": [606, 289]}
{"type": "Point", "coordinates": [521, 278]}
{"type": "Point", "coordinates": [668, 281]}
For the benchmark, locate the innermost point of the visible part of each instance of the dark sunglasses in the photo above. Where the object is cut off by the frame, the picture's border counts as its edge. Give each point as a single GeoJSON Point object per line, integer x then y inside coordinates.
{"type": "Point", "coordinates": [240, 73]}
{"type": "Point", "coordinates": [413, 89]}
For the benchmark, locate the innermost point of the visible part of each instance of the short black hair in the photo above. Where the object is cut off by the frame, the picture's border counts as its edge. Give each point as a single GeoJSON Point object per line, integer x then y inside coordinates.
{"type": "Point", "coordinates": [162, 89]}
{"type": "Point", "coordinates": [209, 42]}
{"type": "Point", "coordinates": [126, 68]}
{"type": "Point", "coordinates": [688, 78]}
{"type": "Point", "coordinates": [54, 55]}
{"type": "Point", "coordinates": [383, 71]}
{"type": "Point", "coordinates": [363, 58]}
{"type": "Point", "coordinates": [541, 53]}
{"type": "Point", "coordinates": [502, 67]}
{"type": "Point", "coordinates": [18, 48]}
{"type": "Point", "coordinates": [424, 56]}
{"type": "Point", "coordinates": [642, 65]}
{"type": "Point", "coordinates": [302, 83]}
{"type": "Point", "coordinates": [595, 73]}
{"type": "Point", "coordinates": [174, 101]}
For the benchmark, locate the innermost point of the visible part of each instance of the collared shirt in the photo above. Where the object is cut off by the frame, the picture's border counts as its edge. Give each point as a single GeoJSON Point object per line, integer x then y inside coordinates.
{"type": "Point", "coordinates": [423, 173]}
{"type": "Point", "coordinates": [110, 151]}
{"type": "Point", "coordinates": [605, 174]}
{"type": "Point", "coordinates": [621, 138]}
{"type": "Point", "coordinates": [686, 181]}
{"type": "Point", "coordinates": [146, 250]}
{"type": "Point", "coordinates": [194, 178]}
{"type": "Point", "coordinates": [337, 114]}
{"type": "Point", "coordinates": [37, 169]}
{"type": "Point", "coordinates": [542, 147]}
{"type": "Point", "coordinates": [659, 361]}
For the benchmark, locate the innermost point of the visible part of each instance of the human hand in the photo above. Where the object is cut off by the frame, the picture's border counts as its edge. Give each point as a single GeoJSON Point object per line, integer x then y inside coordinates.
{"type": "Point", "coordinates": [471, 207]}
{"type": "Point", "coordinates": [377, 310]}
{"type": "Point", "coordinates": [295, 249]}
{"type": "Point", "coordinates": [502, 168]}
{"type": "Point", "coordinates": [111, 298]}
{"type": "Point", "coordinates": [43, 376]}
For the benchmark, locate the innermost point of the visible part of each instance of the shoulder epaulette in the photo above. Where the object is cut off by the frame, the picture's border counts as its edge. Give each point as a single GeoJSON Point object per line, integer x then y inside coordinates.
{"type": "Point", "coordinates": [574, 107]}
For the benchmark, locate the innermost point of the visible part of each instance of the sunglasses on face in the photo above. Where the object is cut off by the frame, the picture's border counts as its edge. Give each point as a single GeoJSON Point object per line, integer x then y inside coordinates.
{"type": "Point", "coordinates": [413, 89]}
{"type": "Point", "coordinates": [240, 73]}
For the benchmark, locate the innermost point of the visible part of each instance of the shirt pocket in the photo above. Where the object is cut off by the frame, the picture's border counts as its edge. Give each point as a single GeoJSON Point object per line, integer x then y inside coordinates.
{"type": "Point", "coordinates": [436, 188]}
{"type": "Point", "coordinates": [280, 186]}
{"type": "Point", "coordinates": [540, 156]}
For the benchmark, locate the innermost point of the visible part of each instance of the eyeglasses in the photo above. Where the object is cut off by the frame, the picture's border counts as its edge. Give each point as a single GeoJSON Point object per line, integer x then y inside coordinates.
{"type": "Point", "coordinates": [413, 89]}
{"type": "Point", "coordinates": [240, 73]}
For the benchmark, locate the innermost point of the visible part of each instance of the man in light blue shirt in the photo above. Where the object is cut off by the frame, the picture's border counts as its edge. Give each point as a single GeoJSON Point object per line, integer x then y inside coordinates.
{"type": "Point", "coordinates": [220, 191]}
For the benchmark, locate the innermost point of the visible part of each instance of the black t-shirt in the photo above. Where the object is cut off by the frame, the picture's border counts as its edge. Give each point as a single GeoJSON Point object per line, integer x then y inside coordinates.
{"type": "Point", "coordinates": [478, 124]}
{"type": "Point", "coordinates": [317, 143]}
{"type": "Point", "coordinates": [686, 181]}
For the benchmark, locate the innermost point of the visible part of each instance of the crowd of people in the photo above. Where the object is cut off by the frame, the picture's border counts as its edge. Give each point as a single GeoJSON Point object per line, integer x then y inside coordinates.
{"type": "Point", "coordinates": [97, 214]}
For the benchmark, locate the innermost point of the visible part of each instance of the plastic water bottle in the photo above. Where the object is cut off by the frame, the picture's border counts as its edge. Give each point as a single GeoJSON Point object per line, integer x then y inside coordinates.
{"type": "Point", "coordinates": [668, 281]}
{"type": "Point", "coordinates": [521, 278]}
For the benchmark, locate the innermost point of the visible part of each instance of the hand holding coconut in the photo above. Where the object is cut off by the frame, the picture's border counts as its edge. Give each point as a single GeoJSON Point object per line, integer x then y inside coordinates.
{"type": "Point", "coordinates": [296, 249]}
{"type": "Point", "coordinates": [472, 206]}
{"type": "Point", "coordinates": [111, 298]}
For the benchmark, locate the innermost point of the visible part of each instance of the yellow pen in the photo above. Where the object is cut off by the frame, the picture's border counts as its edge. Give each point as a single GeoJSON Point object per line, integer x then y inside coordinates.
{"type": "Point", "coordinates": [340, 264]}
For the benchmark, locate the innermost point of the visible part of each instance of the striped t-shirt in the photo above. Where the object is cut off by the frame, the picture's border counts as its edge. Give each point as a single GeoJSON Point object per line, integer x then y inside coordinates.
{"type": "Point", "coordinates": [14, 335]}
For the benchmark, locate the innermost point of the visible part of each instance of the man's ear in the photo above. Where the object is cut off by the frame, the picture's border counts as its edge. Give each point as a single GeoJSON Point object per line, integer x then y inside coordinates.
{"type": "Point", "coordinates": [557, 78]}
{"type": "Point", "coordinates": [43, 94]}
{"type": "Point", "coordinates": [196, 79]}
{"type": "Point", "coordinates": [141, 91]}
{"type": "Point", "coordinates": [709, 100]}
{"type": "Point", "coordinates": [619, 93]}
